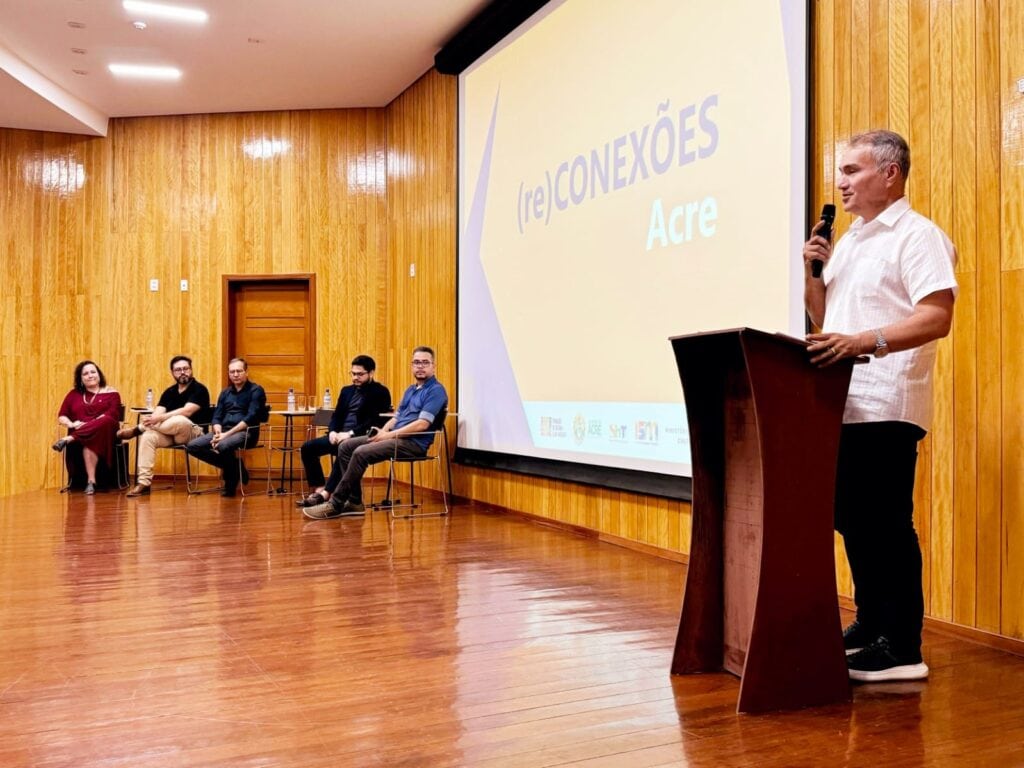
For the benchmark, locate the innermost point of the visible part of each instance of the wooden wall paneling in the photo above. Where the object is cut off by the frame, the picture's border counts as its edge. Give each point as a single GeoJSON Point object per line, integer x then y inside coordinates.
{"type": "Point", "coordinates": [919, 193]}
{"type": "Point", "coordinates": [941, 212]}
{"type": "Point", "coordinates": [879, 54]}
{"type": "Point", "coordinates": [965, 450]}
{"type": "Point", "coordinates": [1011, 51]}
{"type": "Point", "coordinates": [919, 135]}
{"type": "Point", "coordinates": [988, 260]}
{"type": "Point", "coordinates": [1012, 604]}
{"type": "Point", "coordinates": [842, 79]}
{"type": "Point", "coordinates": [684, 525]}
{"type": "Point", "coordinates": [1011, 191]}
{"type": "Point", "coordinates": [860, 71]}
{"type": "Point", "coordinates": [964, 373]}
{"type": "Point", "coordinates": [899, 66]}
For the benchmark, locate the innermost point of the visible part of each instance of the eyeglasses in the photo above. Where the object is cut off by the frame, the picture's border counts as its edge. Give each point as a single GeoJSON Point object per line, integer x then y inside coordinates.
{"type": "Point", "coordinates": [186, 369]}
{"type": "Point", "coordinates": [359, 374]}
{"type": "Point", "coordinates": [422, 363]}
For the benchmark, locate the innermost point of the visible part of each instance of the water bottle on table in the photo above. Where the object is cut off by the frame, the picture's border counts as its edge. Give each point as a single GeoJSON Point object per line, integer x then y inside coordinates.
{"type": "Point", "coordinates": [149, 399]}
{"type": "Point", "coordinates": [291, 398]}
{"type": "Point", "coordinates": [327, 398]}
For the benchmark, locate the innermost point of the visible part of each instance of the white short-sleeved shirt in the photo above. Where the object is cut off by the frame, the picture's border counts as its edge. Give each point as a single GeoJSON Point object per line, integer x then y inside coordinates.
{"type": "Point", "coordinates": [878, 271]}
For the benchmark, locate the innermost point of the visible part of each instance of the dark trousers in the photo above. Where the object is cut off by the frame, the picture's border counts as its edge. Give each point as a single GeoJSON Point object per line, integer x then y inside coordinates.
{"type": "Point", "coordinates": [224, 457]}
{"type": "Point", "coordinates": [875, 515]}
{"type": "Point", "coordinates": [311, 452]}
{"type": "Point", "coordinates": [355, 455]}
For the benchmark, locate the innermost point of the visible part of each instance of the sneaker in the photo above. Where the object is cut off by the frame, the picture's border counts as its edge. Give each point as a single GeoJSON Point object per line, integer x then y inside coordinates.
{"type": "Point", "coordinates": [310, 501]}
{"type": "Point", "coordinates": [353, 509]}
{"type": "Point", "coordinates": [127, 433]}
{"type": "Point", "coordinates": [876, 663]}
{"type": "Point", "coordinates": [138, 490]}
{"type": "Point", "coordinates": [856, 637]}
{"type": "Point", "coordinates": [324, 511]}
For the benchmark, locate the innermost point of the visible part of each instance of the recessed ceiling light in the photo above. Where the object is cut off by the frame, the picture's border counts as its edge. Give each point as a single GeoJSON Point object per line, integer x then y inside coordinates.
{"type": "Point", "coordinates": [145, 70]}
{"type": "Point", "coordinates": [139, 25]}
{"type": "Point", "coordinates": [159, 10]}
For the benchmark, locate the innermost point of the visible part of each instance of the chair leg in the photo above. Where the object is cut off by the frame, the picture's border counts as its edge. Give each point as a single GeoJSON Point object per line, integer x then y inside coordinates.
{"type": "Point", "coordinates": [121, 465]}
{"type": "Point", "coordinates": [412, 485]}
{"type": "Point", "coordinates": [192, 485]}
{"type": "Point", "coordinates": [240, 453]}
{"type": "Point", "coordinates": [412, 505]}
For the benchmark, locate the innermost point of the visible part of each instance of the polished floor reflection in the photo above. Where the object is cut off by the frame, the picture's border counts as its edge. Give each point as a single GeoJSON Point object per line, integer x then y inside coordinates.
{"type": "Point", "coordinates": [178, 631]}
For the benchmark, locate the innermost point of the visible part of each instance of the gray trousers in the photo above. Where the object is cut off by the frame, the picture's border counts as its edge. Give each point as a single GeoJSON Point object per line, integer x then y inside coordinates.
{"type": "Point", "coordinates": [224, 457]}
{"type": "Point", "coordinates": [356, 454]}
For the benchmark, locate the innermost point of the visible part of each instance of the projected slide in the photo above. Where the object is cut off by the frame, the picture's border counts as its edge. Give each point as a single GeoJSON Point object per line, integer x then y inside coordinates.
{"type": "Point", "coordinates": [629, 171]}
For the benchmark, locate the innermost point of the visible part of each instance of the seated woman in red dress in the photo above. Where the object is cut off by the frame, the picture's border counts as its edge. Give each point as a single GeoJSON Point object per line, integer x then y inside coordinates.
{"type": "Point", "coordinates": [91, 412]}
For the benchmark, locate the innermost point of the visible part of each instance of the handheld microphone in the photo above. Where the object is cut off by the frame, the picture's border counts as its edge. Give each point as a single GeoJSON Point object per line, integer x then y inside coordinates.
{"type": "Point", "coordinates": [828, 215]}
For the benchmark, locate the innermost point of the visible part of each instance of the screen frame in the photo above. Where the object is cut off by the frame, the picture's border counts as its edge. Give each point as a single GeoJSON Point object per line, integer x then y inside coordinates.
{"type": "Point", "coordinates": [676, 487]}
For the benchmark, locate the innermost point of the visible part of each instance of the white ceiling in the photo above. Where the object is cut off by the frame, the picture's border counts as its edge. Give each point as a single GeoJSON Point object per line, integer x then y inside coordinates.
{"type": "Point", "coordinates": [311, 54]}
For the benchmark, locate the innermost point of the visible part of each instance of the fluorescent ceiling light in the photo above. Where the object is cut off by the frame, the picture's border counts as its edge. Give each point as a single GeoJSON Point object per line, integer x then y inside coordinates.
{"type": "Point", "coordinates": [159, 10]}
{"type": "Point", "coordinates": [143, 70]}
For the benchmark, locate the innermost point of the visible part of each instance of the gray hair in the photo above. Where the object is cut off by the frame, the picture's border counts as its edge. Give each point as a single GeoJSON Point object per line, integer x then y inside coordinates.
{"type": "Point", "coordinates": [886, 147]}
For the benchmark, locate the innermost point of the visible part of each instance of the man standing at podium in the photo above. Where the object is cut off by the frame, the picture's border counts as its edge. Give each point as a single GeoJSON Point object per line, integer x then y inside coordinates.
{"type": "Point", "coordinates": [886, 290]}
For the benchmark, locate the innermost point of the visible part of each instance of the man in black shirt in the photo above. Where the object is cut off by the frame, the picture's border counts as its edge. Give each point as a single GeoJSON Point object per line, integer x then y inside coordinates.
{"type": "Point", "coordinates": [182, 407]}
{"type": "Point", "coordinates": [241, 405]}
{"type": "Point", "coordinates": [360, 406]}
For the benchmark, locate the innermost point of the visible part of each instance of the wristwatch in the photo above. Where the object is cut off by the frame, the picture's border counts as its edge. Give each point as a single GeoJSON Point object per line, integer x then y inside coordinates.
{"type": "Point", "coordinates": [881, 345]}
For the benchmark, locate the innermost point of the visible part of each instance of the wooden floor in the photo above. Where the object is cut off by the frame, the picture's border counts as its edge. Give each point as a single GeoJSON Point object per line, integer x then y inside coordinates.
{"type": "Point", "coordinates": [177, 631]}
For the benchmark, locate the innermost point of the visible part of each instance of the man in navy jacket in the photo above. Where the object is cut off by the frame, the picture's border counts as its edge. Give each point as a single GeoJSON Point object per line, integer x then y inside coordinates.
{"type": "Point", "coordinates": [360, 406]}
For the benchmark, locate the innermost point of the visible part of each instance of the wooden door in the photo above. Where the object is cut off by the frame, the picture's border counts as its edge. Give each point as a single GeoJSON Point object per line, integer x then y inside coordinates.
{"type": "Point", "coordinates": [271, 323]}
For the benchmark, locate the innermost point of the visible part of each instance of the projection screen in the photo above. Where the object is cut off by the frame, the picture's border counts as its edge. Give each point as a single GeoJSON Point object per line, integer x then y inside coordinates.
{"type": "Point", "coordinates": [628, 171]}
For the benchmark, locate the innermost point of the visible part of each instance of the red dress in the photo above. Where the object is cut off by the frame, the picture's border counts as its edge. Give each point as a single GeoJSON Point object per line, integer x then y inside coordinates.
{"type": "Point", "coordinates": [101, 413]}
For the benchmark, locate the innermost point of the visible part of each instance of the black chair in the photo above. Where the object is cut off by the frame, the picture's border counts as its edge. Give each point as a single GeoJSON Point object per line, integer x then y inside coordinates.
{"type": "Point", "coordinates": [72, 477]}
{"type": "Point", "coordinates": [437, 452]}
{"type": "Point", "coordinates": [192, 482]}
{"type": "Point", "coordinates": [193, 485]}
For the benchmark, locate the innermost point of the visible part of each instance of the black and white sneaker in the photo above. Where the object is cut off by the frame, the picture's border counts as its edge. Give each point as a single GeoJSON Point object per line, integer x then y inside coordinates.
{"type": "Point", "coordinates": [877, 663]}
{"type": "Point", "coordinates": [856, 637]}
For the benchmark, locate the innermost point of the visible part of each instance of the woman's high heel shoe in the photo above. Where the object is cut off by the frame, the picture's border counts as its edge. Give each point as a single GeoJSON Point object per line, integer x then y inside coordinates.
{"type": "Point", "coordinates": [60, 444]}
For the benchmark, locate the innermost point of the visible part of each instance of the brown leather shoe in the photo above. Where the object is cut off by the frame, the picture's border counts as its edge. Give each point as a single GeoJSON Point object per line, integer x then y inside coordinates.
{"type": "Point", "coordinates": [138, 490]}
{"type": "Point", "coordinates": [127, 433]}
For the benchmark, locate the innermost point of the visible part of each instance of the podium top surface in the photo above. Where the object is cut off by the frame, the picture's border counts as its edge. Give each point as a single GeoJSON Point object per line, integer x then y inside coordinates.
{"type": "Point", "coordinates": [743, 332]}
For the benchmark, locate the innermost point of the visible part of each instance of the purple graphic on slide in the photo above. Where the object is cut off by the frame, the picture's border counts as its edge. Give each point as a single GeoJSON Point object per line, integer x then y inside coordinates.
{"type": "Point", "coordinates": [495, 379]}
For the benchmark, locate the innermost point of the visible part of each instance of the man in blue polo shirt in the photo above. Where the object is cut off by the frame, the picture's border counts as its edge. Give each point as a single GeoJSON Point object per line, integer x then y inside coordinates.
{"type": "Point", "coordinates": [421, 404]}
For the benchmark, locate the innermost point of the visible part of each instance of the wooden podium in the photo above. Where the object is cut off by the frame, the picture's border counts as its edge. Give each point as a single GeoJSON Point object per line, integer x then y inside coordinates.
{"type": "Point", "coordinates": [760, 598]}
